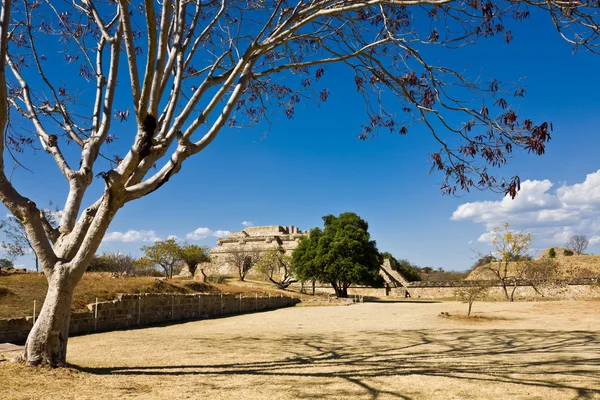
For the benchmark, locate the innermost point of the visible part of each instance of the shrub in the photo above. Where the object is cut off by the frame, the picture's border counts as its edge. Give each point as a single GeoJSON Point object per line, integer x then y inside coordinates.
{"type": "Point", "coordinates": [568, 252]}
{"type": "Point", "coordinates": [217, 278]}
{"type": "Point", "coordinates": [552, 253]}
{"type": "Point", "coordinates": [4, 292]}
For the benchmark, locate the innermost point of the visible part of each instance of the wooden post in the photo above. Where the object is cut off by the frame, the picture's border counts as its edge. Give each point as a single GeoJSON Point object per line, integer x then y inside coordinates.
{"type": "Point", "coordinates": [172, 306]}
{"type": "Point", "coordinates": [221, 303]}
{"type": "Point", "coordinates": [96, 316]}
{"type": "Point", "coordinates": [269, 299]}
{"type": "Point", "coordinates": [256, 302]}
{"type": "Point", "coordinates": [140, 309]}
{"type": "Point", "coordinates": [199, 305]}
{"type": "Point", "coordinates": [34, 312]}
{"type": "Point", "coordinates": [240, 303]}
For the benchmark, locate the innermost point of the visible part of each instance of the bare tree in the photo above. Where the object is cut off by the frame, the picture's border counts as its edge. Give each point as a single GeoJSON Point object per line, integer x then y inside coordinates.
{"type": "Point", "coordinates": [118, 264]}
{"type": "Point", "coordinates": [578, 243]}
{"type": "Point", "coordinates": [468, 294]}
{"type": "Point", "coordinates": [539, 273]}
{"type": "Point", "coordinates": [276, 264]}
{"type": "Point", "coordinates": [511, 255]}
{"type": "Point", "coordinates": [243, 261]}
{"type": "Point", "coordinates": [207, 64]}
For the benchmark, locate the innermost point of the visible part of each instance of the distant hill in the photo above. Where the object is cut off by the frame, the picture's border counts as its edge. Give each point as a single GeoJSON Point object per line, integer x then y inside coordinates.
{"type": "Point", "coordinates": [584, 266]}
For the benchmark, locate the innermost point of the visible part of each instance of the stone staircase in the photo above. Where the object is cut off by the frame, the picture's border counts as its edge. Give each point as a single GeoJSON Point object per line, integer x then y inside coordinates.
{"type": "Point", "coordinates": [394, 281]}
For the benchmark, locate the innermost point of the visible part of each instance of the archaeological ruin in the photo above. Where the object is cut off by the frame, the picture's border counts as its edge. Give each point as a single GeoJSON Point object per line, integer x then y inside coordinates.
{"type": "Point", "coordinates": [255, 239]}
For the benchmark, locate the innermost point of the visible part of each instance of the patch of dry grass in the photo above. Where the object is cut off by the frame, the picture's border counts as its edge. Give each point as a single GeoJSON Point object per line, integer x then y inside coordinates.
{"type": "Point", "coordinates": [366, 351]}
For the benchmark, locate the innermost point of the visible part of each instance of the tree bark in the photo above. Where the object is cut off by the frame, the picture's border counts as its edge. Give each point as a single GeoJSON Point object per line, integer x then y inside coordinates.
{"type": "Point", "coordinates": [47, 341]}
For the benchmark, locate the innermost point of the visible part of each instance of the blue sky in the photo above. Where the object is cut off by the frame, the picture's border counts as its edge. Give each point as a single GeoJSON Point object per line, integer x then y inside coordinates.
{"type": "Point", "coordinates": [314, 165]}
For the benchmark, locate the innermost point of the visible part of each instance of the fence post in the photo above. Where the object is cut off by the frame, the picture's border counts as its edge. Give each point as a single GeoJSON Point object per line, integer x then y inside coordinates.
{"type": "Point", "coordinates": [221, 303]}
{"type": "Point", "coordinates": [34, 312]}
{"type": "Point", "coordinates": [96, 316]}
{"type": "Point", "coordinates": [240, 303]}
{"type": "Point", "coordinates": [140, 309]}
{"type": "Point", "coordinates": [256, 302]}
{"type": "Point", "coordinates": [269, 299]}
{"type": "Point", "coordinates": [199, 305]}
{"type": "Point", "coordinates": [172, 307]}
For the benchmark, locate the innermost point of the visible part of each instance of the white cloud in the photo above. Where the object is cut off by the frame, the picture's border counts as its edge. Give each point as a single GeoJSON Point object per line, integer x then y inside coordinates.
{"type": "Point", "coordinates": [131, 236]}
{"type": "Point", "coordinates": [173, 237]}
{"type": "Point", "coordinates": [203, 233]}
{"type": "Point", "coordinates": [247, 223]}
{"type": "Point", "coordinates": [551, 216]}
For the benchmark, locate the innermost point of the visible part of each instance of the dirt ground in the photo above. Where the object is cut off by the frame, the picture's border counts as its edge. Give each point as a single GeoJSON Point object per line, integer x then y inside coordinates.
{"type": "Point", "coordinates": [531, 350]}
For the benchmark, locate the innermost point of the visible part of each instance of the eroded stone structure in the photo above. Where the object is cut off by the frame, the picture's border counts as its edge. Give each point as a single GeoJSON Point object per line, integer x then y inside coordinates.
{"type": "Point", "coordinates": [255, 238]}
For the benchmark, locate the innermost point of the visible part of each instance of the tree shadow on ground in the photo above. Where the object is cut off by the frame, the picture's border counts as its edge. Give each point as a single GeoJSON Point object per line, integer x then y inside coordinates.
{"type": "Point", "coordinates": [568, 362]}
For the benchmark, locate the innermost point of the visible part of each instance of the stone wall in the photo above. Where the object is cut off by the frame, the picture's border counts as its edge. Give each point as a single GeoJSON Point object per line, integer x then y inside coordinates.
{"type": "Point", "coordinates": [130, 311]}
{"type": "Point", "coordinates": [564, 289]}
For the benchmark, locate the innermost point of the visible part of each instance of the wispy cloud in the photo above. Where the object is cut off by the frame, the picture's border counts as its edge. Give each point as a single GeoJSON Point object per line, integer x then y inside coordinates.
{"type": "Point", "coordinates": [248, 223]}
{"type": "Point", "coordinates": [203, 233]}
{"type": "Point", "coordinates": [550, 215]}
{"type": "Point", "coordinates": [131, 236]}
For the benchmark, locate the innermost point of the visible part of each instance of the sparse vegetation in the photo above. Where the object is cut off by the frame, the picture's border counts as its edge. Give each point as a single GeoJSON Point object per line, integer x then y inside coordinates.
{"type": "Point", "coordinates": [577, 244]}
{"type": "Point", "coordinates": [276, 264]}
{"type": "Point", "coordinates": [552, 253]}
{"type": "Point", "coordinates": [217, 278]}
{"type": "Point", "coordinates": [567, 252]}
{"type": "Point", "coordinates": [511, 247]}
{"type": "Point", "coordinates": [469, 294]}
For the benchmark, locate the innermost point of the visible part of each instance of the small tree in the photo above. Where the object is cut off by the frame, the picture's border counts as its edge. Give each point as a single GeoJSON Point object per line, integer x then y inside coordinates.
{"type": "Point", "coordinates": [552, 253]}
{"type": "Point", "coordinates": [243, 261]}
{"type": "Point", "coordinates": [539, 273]}
{"type": "Point", "coordinates": [342, 254]}
{"type": "Point", "coordinates": [468, 294]}
{"type": "Point", "coordinates": [116, 263]}
{"type": "Point", "coordinates": [145, 267]}
{"type": "Point", "coordinates": [4, 263]}
{"type": "Point", "coordinates": [192, 255]}
{"type": "Point", "coordinates": [165, 253]}
{"type": "Point", "coordinates": [578, 244]}
{"type": "Point", "coordinates": [511, 247]}
{"type": "Point", "coordinates": [276, 263]}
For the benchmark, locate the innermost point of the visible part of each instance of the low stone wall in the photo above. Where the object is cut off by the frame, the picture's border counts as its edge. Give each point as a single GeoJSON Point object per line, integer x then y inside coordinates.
{"type": "Point", "coordinates": [130, 311]}
{"type": "Point", "coordinates": [554, 290]}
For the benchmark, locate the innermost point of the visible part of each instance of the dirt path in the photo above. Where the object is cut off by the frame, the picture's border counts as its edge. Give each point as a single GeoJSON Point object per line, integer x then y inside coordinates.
{"type": "Point", "coordinates": [539, 350]}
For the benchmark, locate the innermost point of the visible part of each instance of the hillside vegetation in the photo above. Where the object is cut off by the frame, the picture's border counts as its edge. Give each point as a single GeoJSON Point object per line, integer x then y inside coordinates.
{"type": "Point", "coordinates": [574, 266]}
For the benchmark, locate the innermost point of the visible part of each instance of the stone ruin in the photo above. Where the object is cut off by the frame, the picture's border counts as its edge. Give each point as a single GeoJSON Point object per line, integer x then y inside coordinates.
{"type": "Point", "coordinates": [255, 238]}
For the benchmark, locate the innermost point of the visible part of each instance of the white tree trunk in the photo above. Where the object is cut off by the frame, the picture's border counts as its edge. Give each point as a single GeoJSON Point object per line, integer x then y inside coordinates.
{"type": "Point", "coordinates": [47, 341]}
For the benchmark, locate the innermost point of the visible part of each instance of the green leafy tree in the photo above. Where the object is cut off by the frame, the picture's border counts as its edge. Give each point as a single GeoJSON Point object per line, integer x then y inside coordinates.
{"type": "Point", "coordinates": [304, 258]}
{"type": "Point", "coordinates": [404, 267]}
{"type": "Point", "coordinates": [192, 255]}
{"type": "Point", "coordinates": [342, 254]}
{"type": "Point", "coordinates": [165, 253]}
{"type": "Point", "coordinates": [278, 267]}
{"type": "Point", "coordinates": [4, 263]}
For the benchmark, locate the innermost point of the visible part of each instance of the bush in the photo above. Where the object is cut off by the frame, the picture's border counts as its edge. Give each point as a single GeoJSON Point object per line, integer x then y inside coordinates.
{"type": "Point", "coordinates": [220, 279]}
{"type": "Point", "coordinates": [552, 253]}
{"type": "Point", "coordinates": [4, 292]}
{"type": "Point", "coordinates": [568, 252]}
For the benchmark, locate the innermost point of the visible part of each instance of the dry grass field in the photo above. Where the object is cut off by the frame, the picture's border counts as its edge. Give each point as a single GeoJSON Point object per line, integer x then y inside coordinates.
{"type": "Point", "coordinates": [18, 291]}
{"type": "Point", "coordinates": [530, 350]}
